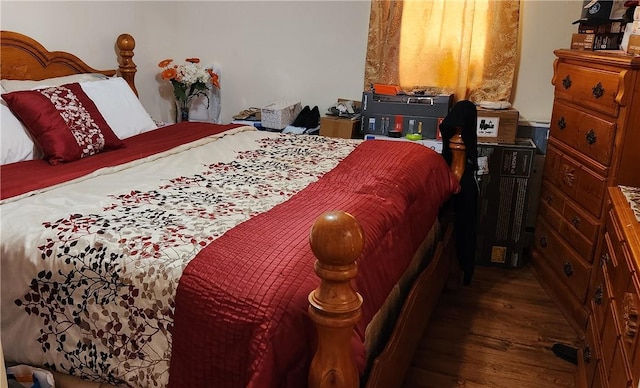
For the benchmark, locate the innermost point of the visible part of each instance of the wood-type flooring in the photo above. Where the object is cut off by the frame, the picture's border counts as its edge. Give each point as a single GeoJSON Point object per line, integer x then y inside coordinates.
{"type": "Point", "coordinates": [497, 332]}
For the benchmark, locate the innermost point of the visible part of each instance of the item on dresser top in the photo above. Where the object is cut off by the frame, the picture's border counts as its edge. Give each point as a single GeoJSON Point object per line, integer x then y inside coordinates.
{"type": "Point", "coordinates": [390, 115]}
{"type": "Point", "coordinates": [190, 81]}
{"type": "Point", "coordinates": [494, 104]}
{"type": "Point", "coordinates": [248, 114]}
{"type": "Point", "coordinates": [497, 125]}
{"type": "Point", "coordinates": [345, 108]}
{"type": "Point", "coordinates": [595, 12]}
{"type": "Point", "coordinates": [279, 114]}
{"type": "Point", "coordinates": [308, 118]}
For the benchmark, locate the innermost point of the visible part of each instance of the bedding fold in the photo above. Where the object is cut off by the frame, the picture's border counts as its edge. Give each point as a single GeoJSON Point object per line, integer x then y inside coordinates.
{"type": "Point", "coordinates": [259, 274]}
{"type": "Point", "coordinates": [183, 258]}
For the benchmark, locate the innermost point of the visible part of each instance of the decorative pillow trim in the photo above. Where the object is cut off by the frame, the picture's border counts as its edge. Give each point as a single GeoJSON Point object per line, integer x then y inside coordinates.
{"type": "Point", "coordinates": [64, 121]}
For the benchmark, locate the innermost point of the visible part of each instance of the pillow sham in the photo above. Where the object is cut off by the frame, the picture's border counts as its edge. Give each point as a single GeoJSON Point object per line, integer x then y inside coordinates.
{"type": "Point", "coordinates": [15, 143]}
{"type": "Point", "coordinates": [11, 85]}
{"type": "Point", "coordinates": [64, 121]}
{"type": "Point", "coordinates": [119, 106]}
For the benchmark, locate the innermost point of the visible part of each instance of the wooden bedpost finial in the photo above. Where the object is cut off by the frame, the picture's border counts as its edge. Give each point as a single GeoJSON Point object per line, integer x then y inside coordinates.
{"type": "Point", "coordinates": [127, 68]}
{"type": "Point", "coordinates": [337, 240]}
{"type": "Point", "coordinates": [458, 154]}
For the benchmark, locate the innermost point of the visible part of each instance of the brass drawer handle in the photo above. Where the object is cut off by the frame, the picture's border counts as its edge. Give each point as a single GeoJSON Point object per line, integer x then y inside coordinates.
{"type": "Point", "coordinates": [598, 296]}
{"type": "Point", "coordinates": [586, 354]}
{"type": "Point", "coordinates": [562, 123]}
{"type": "Point", "coordinates": [566, 82]}
{"type": "Point", "coordinates": [604, 259]}
{"type": "Point", "coordinates": [591, 137]}
{"type": "Point", "coordinates": [598, 90]}
{"type": "Point", "coordinates": [543, 241]}
{"type": "Point", "coordinates": [575, 221]}
{"type": "Point", "coordinates": [568, 268]}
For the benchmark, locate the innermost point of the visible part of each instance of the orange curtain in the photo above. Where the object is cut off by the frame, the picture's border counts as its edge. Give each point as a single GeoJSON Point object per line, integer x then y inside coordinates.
{"type": "Point", "coordinates": [466, 47]}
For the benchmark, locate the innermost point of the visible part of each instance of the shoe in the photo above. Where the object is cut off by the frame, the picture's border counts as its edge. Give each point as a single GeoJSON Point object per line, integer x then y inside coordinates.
{"type": "Point", "coordinates": [566, 353]}
{"type": "Point", "coordinates": [313, 120]}
{"type": "Point", "coordinates": [302, 117]}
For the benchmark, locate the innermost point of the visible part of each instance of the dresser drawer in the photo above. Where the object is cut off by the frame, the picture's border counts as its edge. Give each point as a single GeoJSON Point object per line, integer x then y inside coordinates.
{"type": "Point", "coordinates": [594, 89]}
{"type": "Point", "coordinates": [591, 350]}
{"type": "Point", "coordinates": [609, 338]}
{"type": "Point", "coordinates": [582, 185]}
{"type": "Point", "coordinates": [584, 223]}
{"type": "Point", "coordinates": [630, 322]}
{"type": "Point", "coordinates": [612, 253]}
{"type": "Point", "coordinates": [620, 374]}
{"type": "Point", "coordinates": [563, 261]}
{"type": "Point", "coordinates": [575, 224]}
{"type": "Point", "coordinates": [585, 132]}
{"type": "Point", "coordinates": [599, 381]}
{"type": "Point", "coordinates": [600, 294]}
{"type": "Point", "coordinates": [557, 209]}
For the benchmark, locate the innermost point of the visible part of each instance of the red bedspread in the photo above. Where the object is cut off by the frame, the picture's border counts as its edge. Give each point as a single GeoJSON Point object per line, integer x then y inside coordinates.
{"type": "Point", "coordinates": [22, 177]}
{"type": "Point", "coordinates": [241, 305]}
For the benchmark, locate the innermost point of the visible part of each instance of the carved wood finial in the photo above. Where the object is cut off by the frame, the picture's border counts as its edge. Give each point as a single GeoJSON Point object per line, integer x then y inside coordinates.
{"type": "Point", "coordinates": [458, 154]}
{"type": "Point", "coordinates": [127, 67]}
{"type": "Point", "coordinates": [337, 240]}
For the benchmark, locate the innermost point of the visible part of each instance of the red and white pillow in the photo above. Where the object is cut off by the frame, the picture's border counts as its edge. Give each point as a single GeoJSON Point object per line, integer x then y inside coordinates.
{"type": "Point", "coordinates": [71, 121]}
{"type": "Point", "coordinates": [64, 121]}
{"type": "Point", "coordinates": [16, 144]}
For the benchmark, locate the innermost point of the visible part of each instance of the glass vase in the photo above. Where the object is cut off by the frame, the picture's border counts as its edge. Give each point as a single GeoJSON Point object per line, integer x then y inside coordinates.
{"type": "Point", "coordinates": [182, 112]}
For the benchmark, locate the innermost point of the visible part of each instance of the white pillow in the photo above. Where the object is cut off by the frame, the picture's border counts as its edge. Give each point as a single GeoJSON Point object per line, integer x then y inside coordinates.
{"type": "Point", "coordinates": [15, 143]}
{"type": "Point", "coordinates": [119, 106]}
{"type": "Point", "coordinates": [10, 85]}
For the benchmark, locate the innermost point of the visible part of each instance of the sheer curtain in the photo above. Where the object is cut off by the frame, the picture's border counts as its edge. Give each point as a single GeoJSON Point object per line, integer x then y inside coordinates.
{"type": "Point", "coordinates": [468, 47]}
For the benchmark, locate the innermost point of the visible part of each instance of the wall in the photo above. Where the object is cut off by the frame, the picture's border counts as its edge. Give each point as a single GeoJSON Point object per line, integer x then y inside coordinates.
{"type": "Point", "coordinates": [313, 51]}
{"type": "Point", "coordinates": [545, 25]}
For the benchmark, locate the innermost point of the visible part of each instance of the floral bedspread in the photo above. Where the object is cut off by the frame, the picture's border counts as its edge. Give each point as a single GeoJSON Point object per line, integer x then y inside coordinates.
{"type": "Point", "coordinates": [90, 268]}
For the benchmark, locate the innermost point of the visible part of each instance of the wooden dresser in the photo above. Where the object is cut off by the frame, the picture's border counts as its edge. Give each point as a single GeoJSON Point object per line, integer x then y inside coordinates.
{"type": "Point", "coordinates": [594, 143]}
{"type": "Point", "coordinates": [610, 356]}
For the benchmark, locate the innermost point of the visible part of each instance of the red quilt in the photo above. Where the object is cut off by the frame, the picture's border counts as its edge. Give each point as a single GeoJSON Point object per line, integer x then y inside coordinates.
{"type": "Point", "coordinates": [241, 305]}
{"type": "Point", "coordinates": [22, 177]}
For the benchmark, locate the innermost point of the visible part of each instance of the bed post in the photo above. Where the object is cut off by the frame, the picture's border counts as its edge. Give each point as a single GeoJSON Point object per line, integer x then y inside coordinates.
{"type": "Point", "coordinates": [337, 240]}
{"type": "Point", "coordinates": [458, 154]}
{"type": "Point", "coordinates": [127, 68]}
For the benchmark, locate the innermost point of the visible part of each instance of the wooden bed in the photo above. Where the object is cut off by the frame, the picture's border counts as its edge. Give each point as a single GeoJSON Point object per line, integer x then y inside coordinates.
{"type": "Point", "coordinates": [336, 238]}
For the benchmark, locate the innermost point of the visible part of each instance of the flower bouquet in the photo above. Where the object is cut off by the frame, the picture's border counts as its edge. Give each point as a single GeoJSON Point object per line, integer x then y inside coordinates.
{"type": "Point", "coordinates": [189, 80]}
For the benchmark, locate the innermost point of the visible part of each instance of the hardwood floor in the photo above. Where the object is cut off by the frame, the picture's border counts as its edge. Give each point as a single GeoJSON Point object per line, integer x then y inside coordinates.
{"type": "Point", "coordinates": [496, 332]}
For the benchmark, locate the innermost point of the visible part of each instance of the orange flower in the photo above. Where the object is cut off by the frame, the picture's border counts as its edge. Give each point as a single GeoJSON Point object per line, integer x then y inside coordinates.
{"type": "Point", "coordinates": [165, 63]}
{"type": "Point", "coordinates": [215, 80]}
{"type": "Point", "coordinates": [193, 60]}
{"type": "Point", "coordinates": [169, 73]}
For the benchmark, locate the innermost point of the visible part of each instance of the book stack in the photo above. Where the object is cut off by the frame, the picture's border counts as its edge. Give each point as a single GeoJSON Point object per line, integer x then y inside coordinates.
{"type": "Point", "coordinates": [606, 36]}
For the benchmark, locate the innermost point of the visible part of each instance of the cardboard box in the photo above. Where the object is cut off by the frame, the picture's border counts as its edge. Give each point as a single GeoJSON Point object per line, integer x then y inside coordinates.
{"type": "Point", "coordinates": [497, 125]}
{"type": "Point", "coordinates": [332, 126]}
{"type": "Point", "coordinates": [278, 115]}
{"type": "Point", "coordinates": [504, 189]}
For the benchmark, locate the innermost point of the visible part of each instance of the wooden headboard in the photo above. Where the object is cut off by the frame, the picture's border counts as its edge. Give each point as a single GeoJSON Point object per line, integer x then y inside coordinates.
{"type": "Point", "coordinates": [23, 58]}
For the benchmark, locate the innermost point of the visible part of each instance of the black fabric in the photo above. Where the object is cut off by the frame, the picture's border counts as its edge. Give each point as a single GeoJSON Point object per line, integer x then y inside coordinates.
{"type": "Point", "coordinates": [464, 115]}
